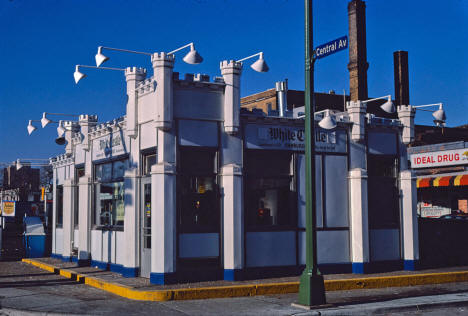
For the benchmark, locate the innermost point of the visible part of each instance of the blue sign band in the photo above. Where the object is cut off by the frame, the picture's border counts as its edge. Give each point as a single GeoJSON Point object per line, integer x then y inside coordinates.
{"type": "Point", "coordinates": [331, 47]}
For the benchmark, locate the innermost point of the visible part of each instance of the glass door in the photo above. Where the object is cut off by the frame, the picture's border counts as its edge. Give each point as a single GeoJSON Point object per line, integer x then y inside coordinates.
{"type": "Point", "coordinates": [145, 227]}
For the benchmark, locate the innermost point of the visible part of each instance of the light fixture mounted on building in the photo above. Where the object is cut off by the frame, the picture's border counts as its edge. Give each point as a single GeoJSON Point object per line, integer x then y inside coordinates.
{"type": "Point", "coordinates": [192, 57]}
{"type": "Point", "coordinates": [45, 121]}
{"type": "Point", "coordinates": [79, 75]}
{"type": "Point", "coordinates": [31, 128]}
{"type": "Point", "coordinates": [260, 65]}
{"type": "Point", "coordinates": [328, 121]}
{"type": "Point", "coordinates": [388, 106]}
{"type": "Point", "coordinates": [439, 114]}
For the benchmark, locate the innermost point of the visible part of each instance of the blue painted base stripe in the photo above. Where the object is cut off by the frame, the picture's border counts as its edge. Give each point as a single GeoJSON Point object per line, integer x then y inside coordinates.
{"type": "Point", "coordinates": [56, 256]}
{"type": "Point", "coordinates": [114, 267]}
{"type": "Point", "coordinates": [162, 278]}
{"type": "Point", "coordinates": [358, 267]}
{"type": "Point", "coordinates": [233, 274]}
{"type": "Point", "coordinates": [124, 271]}
{"type": "Point", "coordinates": [99, 264]}
{"type": "Point", "coordinates": [410, 265]}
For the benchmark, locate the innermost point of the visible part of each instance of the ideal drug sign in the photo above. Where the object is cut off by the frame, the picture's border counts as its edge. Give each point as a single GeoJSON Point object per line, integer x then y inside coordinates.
{"type": "Point", "coordinates": [440, 158]}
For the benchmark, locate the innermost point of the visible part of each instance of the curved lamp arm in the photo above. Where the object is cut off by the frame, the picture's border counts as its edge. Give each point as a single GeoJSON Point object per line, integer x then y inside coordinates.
{"type": "Point", "coordinates": [260, 65]}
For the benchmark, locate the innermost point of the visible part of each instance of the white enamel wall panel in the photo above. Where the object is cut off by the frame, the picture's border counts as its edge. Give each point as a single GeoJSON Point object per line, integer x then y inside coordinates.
{"type": "Point", "coordinates": [59, 241]}
{"type": "Point", "coordinates": [76, 238]}
{"type": "Point", "coordinates": [119, 247]}
{"type": "Point", "coordinates": [332, 247]}
{"type": "Point", "coordinates": [96, 245]}
{"type": "Point", "coordinates": [199, 245]}
{"type": "Point", "coordinates": [270, 249]}
{"type": "Point", "coordinates": [148, 136]}
{"type": "Point", "coordinates": [385, 244]}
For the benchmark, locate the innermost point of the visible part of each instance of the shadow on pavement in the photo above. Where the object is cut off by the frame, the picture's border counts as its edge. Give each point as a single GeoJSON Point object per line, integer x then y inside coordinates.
{"type": "Point", "coordinates": [16, 284]}
{"type": "Point", "coordinates": [25, 275]}
{"type": "Point", "coordinates": [388, 294]}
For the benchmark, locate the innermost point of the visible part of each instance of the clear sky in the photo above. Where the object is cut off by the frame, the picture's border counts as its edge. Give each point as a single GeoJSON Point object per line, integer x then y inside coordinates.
{"type": "Point", "coordinates": [42, 40]}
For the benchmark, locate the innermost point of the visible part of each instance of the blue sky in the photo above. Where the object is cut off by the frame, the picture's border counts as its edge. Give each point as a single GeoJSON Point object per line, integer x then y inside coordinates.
{"type": "Point", "coordinates": [41, 41]}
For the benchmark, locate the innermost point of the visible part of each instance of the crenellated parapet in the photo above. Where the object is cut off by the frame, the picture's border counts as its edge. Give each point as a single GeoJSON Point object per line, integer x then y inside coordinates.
{"type": "Point", "coordinates": [61, 160]}
{"type": "Point", "coordinates": [162, 59]}
{"type": "Point", "coordinates": [107, 128]}
{"type": "Point", "coordinates": [198, 81]}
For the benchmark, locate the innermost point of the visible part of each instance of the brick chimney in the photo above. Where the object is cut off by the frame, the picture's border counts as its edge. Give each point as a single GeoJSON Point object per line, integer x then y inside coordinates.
{"type": "Point", "coordinates": [358, 64]}
{"type": "Point", "coordinates": [400, 66]}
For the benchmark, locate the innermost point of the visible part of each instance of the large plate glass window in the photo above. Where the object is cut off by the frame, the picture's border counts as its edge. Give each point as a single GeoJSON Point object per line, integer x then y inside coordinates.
{"type": "Point", "coordinates": [383, 191]}
{"type": "Point", "coordinates": [270, 189]}
{"type": "Point", "coordinates": [199, 204]}
{"type": "Point", "coordinates": [109, 192]}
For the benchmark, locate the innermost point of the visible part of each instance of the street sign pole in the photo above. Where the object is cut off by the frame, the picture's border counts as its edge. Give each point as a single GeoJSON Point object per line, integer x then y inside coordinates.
{"type": "Point", "coordinates": [311, 287]}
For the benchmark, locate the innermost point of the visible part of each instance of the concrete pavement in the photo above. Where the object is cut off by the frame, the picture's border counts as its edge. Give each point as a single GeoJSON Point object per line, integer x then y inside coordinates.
{"type": "Point", "coordinates": [27, 289]}
{"type": "Point", "coordinates": [140, 289]}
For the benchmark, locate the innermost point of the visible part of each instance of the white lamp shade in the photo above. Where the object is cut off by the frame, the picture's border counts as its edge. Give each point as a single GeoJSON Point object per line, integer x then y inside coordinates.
{"type": "Point", "coordinates": [100, 58]}
{"type": "Point", "coordinates": [388, 107]}
{"type": "Point", "coordinates": [44, 120]}
{"type": "Point", "coordinates": [439, 115]}
{"type": "Point", "coordinates": [193, 57]}
{"type": "Point", "coordinates": [78, 75]}
{"type": "Point", "coordinates": [328, 122]}
{"type": "Point", "coordinates": [31, 128]}
{"type": "Point", "coordinates": [260, 65]}
{"type": "Point", "coordinates": [60, 129]}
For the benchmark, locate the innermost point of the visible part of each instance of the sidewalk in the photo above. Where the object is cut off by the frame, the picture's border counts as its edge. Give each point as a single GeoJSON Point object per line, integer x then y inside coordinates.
{"type": "Point", "coordinates": [141, 289]}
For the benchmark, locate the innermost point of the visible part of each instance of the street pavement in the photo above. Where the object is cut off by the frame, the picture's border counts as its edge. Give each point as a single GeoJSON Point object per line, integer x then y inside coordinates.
{"type": "Point", "coordinates": [25, 289]}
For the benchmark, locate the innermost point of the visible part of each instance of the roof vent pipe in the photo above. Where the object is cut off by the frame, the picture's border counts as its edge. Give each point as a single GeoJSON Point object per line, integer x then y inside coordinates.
{"type": "Point", "coordinates": [281, 96]}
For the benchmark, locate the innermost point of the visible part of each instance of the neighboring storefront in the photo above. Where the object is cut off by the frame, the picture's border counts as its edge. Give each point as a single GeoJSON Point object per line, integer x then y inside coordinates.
{"type": "Point", "coordinates": [187, 186]}
{"type": "Point", "coordinates": [442, 178]}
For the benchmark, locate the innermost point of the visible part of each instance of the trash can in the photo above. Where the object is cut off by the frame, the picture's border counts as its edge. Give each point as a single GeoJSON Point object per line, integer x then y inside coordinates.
{"type": "Point", "coordinates": [34, 237]}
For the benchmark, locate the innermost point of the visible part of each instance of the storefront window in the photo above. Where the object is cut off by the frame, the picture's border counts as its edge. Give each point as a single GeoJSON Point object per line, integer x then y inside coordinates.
{"type": "Point", "coordinates": [109, 194]}
{"type": "Point", "coordinates": [59, 206]}
{"type": "Point", "coordinates": [270, 191]}
{"type": "Point", "coordinates": [199, 203]}
{"type": "Point", "coordinates": [383, 191]}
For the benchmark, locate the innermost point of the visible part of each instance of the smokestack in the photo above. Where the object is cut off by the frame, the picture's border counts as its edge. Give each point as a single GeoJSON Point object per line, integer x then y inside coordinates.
{"type": "Point", "coordinates": [400, 66]}
{"type": "Point", "coordinates": [358, 64]}
{"type": "Point", "coordinates": [281, 96]}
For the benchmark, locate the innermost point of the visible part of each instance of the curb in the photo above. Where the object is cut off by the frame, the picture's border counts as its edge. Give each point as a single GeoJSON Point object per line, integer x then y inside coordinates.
{"type": "Point", "coordinates": [251, 289]}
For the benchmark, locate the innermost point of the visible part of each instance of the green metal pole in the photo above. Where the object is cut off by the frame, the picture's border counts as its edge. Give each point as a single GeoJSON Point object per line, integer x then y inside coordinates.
{"type": "Point", "coordinates": [311, 288]}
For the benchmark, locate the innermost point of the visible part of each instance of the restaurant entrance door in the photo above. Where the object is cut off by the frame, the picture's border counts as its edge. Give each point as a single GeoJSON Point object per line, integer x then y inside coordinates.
{"type": "Point", "coordinates": [145, 224]}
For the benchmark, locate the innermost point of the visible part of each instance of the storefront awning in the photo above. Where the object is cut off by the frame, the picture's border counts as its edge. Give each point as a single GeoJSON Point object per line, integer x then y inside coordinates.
{"type": "Point", "coordinates": [442, 181]}
{"type": "Point", "coordinates": [461, 180]}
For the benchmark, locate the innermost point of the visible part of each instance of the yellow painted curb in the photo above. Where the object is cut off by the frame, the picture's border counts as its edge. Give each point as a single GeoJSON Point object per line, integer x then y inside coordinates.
{"type": "Point", "coordinates": [252, 289]}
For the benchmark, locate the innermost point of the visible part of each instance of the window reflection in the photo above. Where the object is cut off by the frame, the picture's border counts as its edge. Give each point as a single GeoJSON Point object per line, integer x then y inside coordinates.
{"type": "Point", "coordinates": [109, 207]}
{"type": "Point", "coordinates": [271, 198]}
{"type": "Point", "coordinates": [199, 210]}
